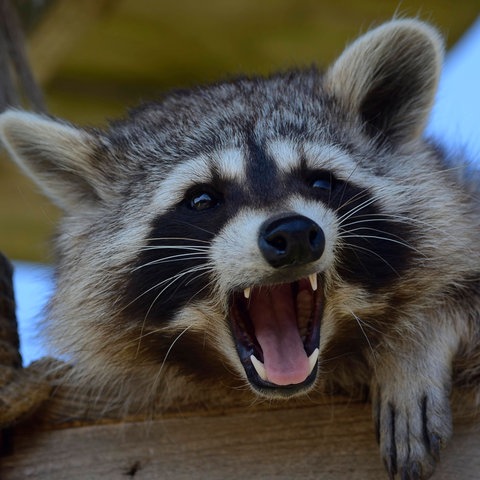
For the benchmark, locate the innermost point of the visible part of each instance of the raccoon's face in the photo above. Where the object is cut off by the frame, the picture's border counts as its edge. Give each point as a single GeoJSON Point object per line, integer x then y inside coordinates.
{"type": "Point", "coordinates": [247, 261]}
{"type": "Point", "coordinates": [253, 251]}
{"type": "Point", "coordinates": [241, 225]}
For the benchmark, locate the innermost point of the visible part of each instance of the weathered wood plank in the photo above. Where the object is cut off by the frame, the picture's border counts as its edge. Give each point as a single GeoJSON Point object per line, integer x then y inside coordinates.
{"type": "Point", "coordinates": [327, 442]}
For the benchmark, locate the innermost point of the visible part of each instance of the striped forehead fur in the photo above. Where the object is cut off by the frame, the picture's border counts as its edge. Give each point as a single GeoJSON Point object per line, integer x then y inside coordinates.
{"type": "Point", "coordinates": [228, 164]}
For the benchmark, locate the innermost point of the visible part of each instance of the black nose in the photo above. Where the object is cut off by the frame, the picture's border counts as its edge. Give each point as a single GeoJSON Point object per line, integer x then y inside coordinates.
{"type": "Point", "coordinates": [291, 240]}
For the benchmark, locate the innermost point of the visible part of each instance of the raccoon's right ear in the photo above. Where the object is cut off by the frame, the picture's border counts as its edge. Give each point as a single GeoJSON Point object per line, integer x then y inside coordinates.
{"type": "Point", "coordinates": [389, 77]}
{"type": "Point", "coordinates": [57, 156]}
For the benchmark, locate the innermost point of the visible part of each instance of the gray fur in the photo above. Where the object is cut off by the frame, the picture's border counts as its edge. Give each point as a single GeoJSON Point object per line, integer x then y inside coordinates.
{"type": "Point", "coordinates": [362, 121]}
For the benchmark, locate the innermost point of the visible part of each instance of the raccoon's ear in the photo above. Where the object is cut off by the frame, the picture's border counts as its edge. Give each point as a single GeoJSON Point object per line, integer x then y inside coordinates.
{"type": "Point", "coordinates": [389, 77]}
{"type": "Point", "coordinates": [57, 156]}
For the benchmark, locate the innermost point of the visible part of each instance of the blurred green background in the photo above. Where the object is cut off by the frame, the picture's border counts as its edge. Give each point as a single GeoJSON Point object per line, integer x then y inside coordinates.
{"type": "Point", "coordinates": [94, 58]}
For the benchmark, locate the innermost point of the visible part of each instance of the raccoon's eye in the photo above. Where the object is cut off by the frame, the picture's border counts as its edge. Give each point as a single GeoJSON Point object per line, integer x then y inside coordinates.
{"type": "Point", "coordinates": [322, 181]}
{"type": "Point", "coordinates": [202, 198]}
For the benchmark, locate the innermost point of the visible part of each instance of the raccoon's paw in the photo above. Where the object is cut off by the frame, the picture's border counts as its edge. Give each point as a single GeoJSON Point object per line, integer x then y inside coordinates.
{"type": "Point", "coordinates": [411, 430]}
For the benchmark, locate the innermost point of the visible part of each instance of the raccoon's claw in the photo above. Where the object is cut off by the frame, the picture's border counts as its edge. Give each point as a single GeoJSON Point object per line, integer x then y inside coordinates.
{"type": "Point", "coordinates": [411, 434]}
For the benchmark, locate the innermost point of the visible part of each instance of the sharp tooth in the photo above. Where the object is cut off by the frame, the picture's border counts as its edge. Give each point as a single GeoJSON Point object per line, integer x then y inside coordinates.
{"type": "Point", "coordinates": [246, 292]}
{"type": "Point", "coordinates": [313, 358]}
{"type": "Point", "coordinates": [259, 367]}
{"type": "Point", "coordinates": [313, 281]}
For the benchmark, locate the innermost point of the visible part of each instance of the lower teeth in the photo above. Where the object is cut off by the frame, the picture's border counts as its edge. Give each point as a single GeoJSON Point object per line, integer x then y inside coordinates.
{"type": "Point", "coordinates": [260, 367]}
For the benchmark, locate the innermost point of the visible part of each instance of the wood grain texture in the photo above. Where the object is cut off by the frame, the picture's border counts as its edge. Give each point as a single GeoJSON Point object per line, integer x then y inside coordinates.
{"type": "Point", "coordinates": [330, 442]}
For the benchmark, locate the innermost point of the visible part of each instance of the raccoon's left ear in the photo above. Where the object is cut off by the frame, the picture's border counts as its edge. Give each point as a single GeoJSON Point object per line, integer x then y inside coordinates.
{"type": "Point", "coordinates": [389, 77]}
{"type": "Point", "coordinates": [59, 157]}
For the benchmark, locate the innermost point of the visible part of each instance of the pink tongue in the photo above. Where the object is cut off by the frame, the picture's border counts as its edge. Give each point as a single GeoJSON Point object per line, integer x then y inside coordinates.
{"type": "Point", "coordinates": [273, 316]}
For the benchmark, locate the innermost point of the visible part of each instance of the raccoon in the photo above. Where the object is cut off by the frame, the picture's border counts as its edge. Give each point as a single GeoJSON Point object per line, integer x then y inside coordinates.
{"type": "Point", "coordinates": [291, 233]}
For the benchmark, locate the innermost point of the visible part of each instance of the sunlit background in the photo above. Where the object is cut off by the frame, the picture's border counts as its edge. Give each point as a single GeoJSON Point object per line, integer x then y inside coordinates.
{"type": "Point", "coordinates": [95, 58]}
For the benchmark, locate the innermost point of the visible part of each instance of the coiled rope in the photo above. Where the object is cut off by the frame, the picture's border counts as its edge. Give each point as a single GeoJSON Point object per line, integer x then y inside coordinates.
{"type": "Point", "coordinates": [22, 390]}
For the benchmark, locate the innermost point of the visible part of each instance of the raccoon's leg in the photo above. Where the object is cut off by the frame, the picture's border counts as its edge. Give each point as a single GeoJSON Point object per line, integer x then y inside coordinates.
{"type": "Point", "coordinates": [411, 405]}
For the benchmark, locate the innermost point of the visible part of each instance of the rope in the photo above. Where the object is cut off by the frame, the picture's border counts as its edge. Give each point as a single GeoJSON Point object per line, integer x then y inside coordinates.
{"type": "Point", "coordinates": [22, 390]}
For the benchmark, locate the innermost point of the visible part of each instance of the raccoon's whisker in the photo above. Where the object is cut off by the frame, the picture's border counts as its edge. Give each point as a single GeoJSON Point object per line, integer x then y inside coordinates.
{"type": "Point", "coordinates": [195, 248]}
{"type": "Point", "coordinates": [180, 257]}
{"type": "Point", "coordinates": [358, 247]}
{"type": "Point", "coordinates": [326, 361]}
{"type": "Point", "coordinates": [192, 279]}
{"type": "Point", "coordinates": [171, 279]}
{"type": "Point", "coordinates": [408, 220]}
{"type": "Point", "coordinates": [378, 237]}
{"type": "Point", "coordinates": [355, 210]}
{"type": "Point", "coordinates": [196, 226]}
{"type": "Point", "coordinates": [143, 335]}
{"type": "Point", "coordinates": [361, 194]}
{"type": "Point", "coordinates": [369, 200]}
{"type": "Point", "coordinates": [146, 334]}
{"type": "Point", "coordinates": [361, 219]}
{"type": "Point", "coordinates": [356, 197]}
{"type": "Point", "coordinates": [175, 340]}
{"type": "Point", "coordinates": [186, 239]}
{"type": "Point", "coordinates": [403, 219]}
{"type": "Point", "coordinates": [172, 244]}
{"type": "Point", "coordinates": [175, 278]}
{"type": "Point", "coordinates": [207, 285]}
{"type": "Point", "coordinates": [174, 258]}
{"type": "Point", "coordinates": [360, 325]}
{"type": "Point", "coordinates": [346, 183]}
{"type": "Point", "coordinates": [182, 273]}
{"type": "Point", "coordinates": [369, 326]}
{"type": "Point", "coordinates": [371, 229]}
{"type": "Point", "coordinates": [387, 217]}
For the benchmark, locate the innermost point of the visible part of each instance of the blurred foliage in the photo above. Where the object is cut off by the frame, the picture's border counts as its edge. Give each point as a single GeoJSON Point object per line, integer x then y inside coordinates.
{"type": "Point", "coordinates": [139, 48]}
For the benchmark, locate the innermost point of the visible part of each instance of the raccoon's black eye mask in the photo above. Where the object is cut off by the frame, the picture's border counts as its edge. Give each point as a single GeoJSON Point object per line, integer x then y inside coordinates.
{"type": "Point", "coordinates": [277, 333]}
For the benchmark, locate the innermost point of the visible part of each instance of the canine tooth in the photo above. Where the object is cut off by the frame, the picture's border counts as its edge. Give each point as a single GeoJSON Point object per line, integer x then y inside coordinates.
{"type": "Point", "coordinates": [313, 281]}
{"type": "Point", "coordinates": [259, 367]}
{"type": "Point", "coordinates": [313, 358]}
{"type": "Point", "coordinates": [246, 292]}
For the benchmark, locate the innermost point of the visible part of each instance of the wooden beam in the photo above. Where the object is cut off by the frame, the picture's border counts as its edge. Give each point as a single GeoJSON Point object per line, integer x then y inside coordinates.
{"type": "Point", "coordinates": [328, 442]}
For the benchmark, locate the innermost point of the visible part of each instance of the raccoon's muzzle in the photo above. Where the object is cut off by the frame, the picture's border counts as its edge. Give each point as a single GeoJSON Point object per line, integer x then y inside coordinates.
{"type": "Point", "coordinates": [277, 335]}
{"type": "Point", "coordinates": [277, 327]}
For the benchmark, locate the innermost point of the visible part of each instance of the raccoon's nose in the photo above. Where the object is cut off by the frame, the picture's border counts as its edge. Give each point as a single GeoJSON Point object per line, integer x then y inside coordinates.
{"type": "Point", "coordinates": [291, 240]}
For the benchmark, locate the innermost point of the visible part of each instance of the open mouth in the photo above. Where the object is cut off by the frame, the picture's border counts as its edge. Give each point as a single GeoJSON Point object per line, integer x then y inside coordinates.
{"type": "Point", "coordinates": [277, 334]}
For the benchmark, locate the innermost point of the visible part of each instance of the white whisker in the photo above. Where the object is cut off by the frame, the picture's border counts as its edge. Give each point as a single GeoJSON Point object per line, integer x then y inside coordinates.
{"type": "Point", "coordinates": [358, 247]}
{"type": "Point", "coordinates": [199, 248]}
{"type": "Point", "coordinates": [174, 278]}
{"type": "Point", "coordinates": [171, 279]}
{"type": "Point", "coordinates": [358, 208]}
{"type": "Point", "coordinates": [176, 339]}
{"type": "Point", "coordinates": [182, 257]}
{"type": "Point", "coordinates": [378, 237]}
{"type": "Point", "coordinates": [360, 324]}
{"type": "Point", "coordinates": [186, 239]}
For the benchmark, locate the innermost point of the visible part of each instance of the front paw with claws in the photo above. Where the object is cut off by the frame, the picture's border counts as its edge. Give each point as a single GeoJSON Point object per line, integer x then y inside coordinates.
{"type": "Point", "coordinates": [411, 430]}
